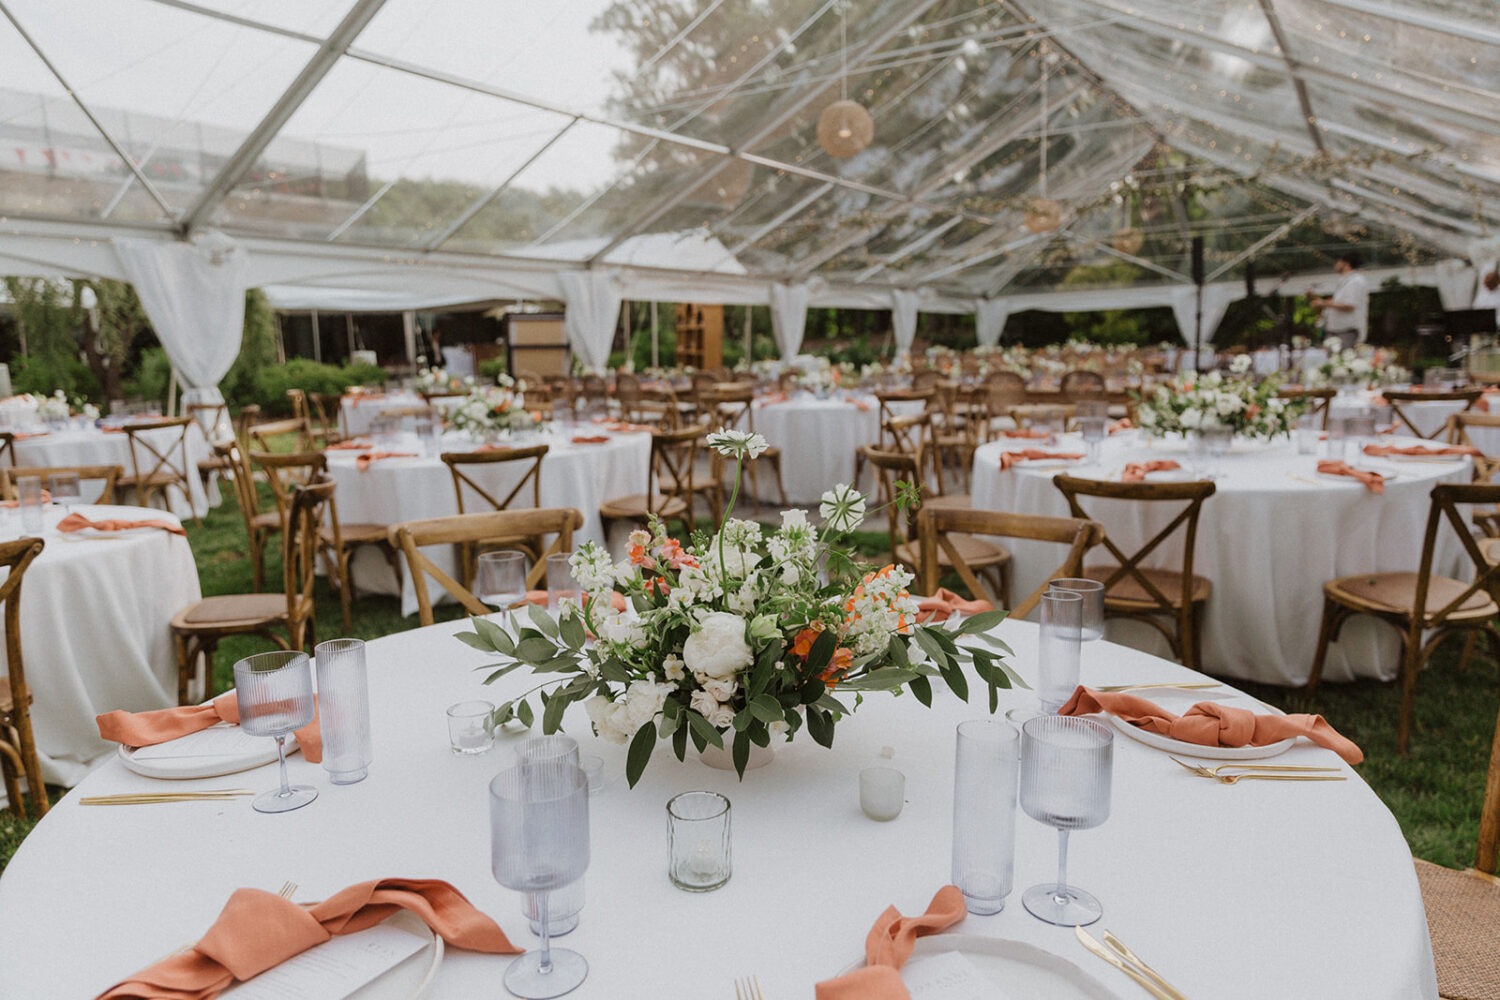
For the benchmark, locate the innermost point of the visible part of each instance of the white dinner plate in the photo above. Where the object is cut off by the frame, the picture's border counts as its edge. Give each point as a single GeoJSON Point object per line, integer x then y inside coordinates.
{"type": "Point", "coordinates": [1016, 968]}
{"type": "Point", "coordinates": [407, 980]}
{"type": "Point", "coordinates": [1177, 702]}
{"type": "Point", "coordinates": [203, 766]}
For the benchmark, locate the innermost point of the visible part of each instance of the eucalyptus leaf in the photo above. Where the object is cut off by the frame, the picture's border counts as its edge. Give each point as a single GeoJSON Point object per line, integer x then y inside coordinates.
{"type": "Point", "coordinates": [535, 649]}
{"type": "Point", "coordinates": [493, 634]}
{"type": "Point", "coordinates": [574, 635]}
{"type": "Point", "coordinates": [822, 651]}
{"type": "Point", "coordinates": [766, 708]}
{"type": "Point", "coordinates": [542, 620]}
{"type": "Point", "coordinates": [741, 752]}
{"type": "Point", "coordinates": [552, 713]}
{"type": "Point", "coordinates": [884, 679]}
{"type": "Point", "coordinates": [921, 688]}
{"type": "Point", "coordinates": [501, 671]}
{"type": "Point", "coordinates": [524, 714]}
{"type": "Point", "coordinates": [679, 742]}
{"type": "Point", "coordinates": [982, 622]}
{"type": "Point", "coordinates": [639, 755]}
{"type": "Point", "coordinates": [820, 726]}
{"type": "Point", "coordinates": [703, 730]}
{"type": "Point", "coordinates": [476, 641]}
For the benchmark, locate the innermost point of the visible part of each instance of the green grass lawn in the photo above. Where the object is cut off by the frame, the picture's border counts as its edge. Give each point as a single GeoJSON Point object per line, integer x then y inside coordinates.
{"type": "Point", "coordinates": [1434, 792]}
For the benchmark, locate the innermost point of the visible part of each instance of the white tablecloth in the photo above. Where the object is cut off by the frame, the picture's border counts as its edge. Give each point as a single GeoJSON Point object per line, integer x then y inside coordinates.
{"type": "Point", "coordinates": [818, 439]}
{"type": "Point", "coordinates": [405, 489]}
{"type": "Point", "coordinates": [94, 615]}
{"type": "Point", "coordinates": [1258, 890]}
{"type": "Point", "coordinates": [95, 447]}
{"type": "Point", "coordinates": [1267, 539]}
{"type": "Point", "coordinates": [358, 412]}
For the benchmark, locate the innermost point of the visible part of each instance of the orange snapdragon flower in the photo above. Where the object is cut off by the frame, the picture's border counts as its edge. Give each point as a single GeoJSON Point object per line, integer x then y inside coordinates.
{"type": "Point", "coordinates": [838, 665]}
{"type": "Point", "coordinates": [802, 645]}
{"type": "Point", "coordinates": [676, 557]}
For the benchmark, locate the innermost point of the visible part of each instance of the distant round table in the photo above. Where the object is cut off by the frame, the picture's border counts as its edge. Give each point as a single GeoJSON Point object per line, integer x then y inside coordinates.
{"type": "Point", "coordinates": [95, 446]}
{"type": "Point", "coordinates": [818, 439]}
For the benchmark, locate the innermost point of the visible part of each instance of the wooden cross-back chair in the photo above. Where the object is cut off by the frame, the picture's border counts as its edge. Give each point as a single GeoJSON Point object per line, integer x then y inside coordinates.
{"type": "Point", "coordinates": [1081, 384]}
{"type": "Point", "coordinates": [7, 448]}
{"type": "Point", "coordinates": [271, 435]}
{"type": "Point", "coordinates": [158, 466]}
{"type": "Point", "coordinates": [940, 530]}
{"type": "Point", "coordinates": [259, 525]}
{"type": "Point", "coordinates": [635, 407]}
{"type": "Point", "coordinates": [471, 486]}
{"type": "Point", "coordinates": [1421, 603]}
{"type": "Point", "coordinates": [731, 405]}
{"type": "Point", "coordinates": [669, 479]}
{"type": "Point", "coordinates": [198, 628]}
{"type": "Point", "coordinates": [915, 435]}
{"type": "Point", "coordinates": [1135, 589]}
{"type": "Point", "coordinates": [107, 476]}
{"type": "Point", "coordinates": [888, 410]}
{"type": "Point", "coordinates": [1317, 400]}
{"type": "Point", "coordinates": [18, 754]}
{"type": "Point", "coordinates": [326, 415]}
{"type": "Point", "coordinates": [892, 467]}
{"type": "Point", "coordinates": [1400, 399]}
{"type": "Point", "coordinates": [212, 423]}
{"type": "Point", "coordinates": [1485, 465]}
{"type": "Point", "coordinates": [926, 379]}
{"type": "Point", "coordinates": [410, 537]}
{"type": "Point", "coordinates": [337, 541]}
{"type": "Point", "coordinates": [1003, 391]}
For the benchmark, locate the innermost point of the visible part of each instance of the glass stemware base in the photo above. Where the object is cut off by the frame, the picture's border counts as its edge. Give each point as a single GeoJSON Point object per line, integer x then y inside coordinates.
{"type": "Point", "coordinates": [1062, 905]}
{"type": "Point", "coordinates": [277, 801]}
{"type": "Point", "coordinates": [526, 979]}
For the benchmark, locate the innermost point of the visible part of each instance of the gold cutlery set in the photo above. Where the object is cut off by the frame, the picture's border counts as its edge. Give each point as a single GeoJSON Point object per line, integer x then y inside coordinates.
{"type": "Point", "coordinates": [1114, 951]}
{"type": "Point", "coordinates": [153, 798]}
{"type": "Point", "coordinates": [748, 989]}
{"type": "Point", "coordinates": [1261, 772]}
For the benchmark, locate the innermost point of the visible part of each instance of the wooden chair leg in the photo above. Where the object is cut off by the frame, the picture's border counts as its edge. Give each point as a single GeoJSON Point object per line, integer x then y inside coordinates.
{"type": "Point", "coordinates": [257, 560]}
{"type": "Point", "coordinates": [31, 767]}
{"type": "Point", "coordinates": [9, 768]}
{"type": "Point", "coordinates": [208, 649]}
{"type": "Point", "coordinates": [1411, 663]}
{"type": "Point", "coordinates": [184, 666]}
{"type": "Point", "coordinates": [346, 587]}
{"type": "Point", "coordinates": [1325, 636]}
{"type": "Point", "coordinates": [1199, 609]}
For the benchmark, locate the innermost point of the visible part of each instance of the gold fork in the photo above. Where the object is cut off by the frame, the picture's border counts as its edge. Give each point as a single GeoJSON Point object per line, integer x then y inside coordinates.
{"type": "Point", "coordinates": [1229, 779]}
{"type": "Point", "coordinates": [1192, 686]}
{"type": "Point", "coordinates": [748, 989]}
{"type": "Point", "coordinates": [287, 890]}
{"type": "Point", "coordinates": [1214, 771]}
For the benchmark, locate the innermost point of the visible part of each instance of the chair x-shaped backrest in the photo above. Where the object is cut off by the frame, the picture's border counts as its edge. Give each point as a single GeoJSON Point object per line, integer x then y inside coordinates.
{"type": "Point", "coordinates": [1131, 564]}
{"type": "Point", "coordinates": [1317, 401]}
{"type": "Point", "coordinates": [159, 458]}
{"type": "Point", "coordinates": [465, 465]}
{"type": "Point", "coordinates": [7, 448]}
{"type": "Point", "coordinates": [1446, 499]}
{"type": "Point", "coordinates": [673, 454]}
{"type": "Point", "coordinates": [913, 435]}
{"type": "Point", "coordinates": [891, 468]}
{"type": "Point", "coordinates": [1485, 466]}
{"type": "Point", "coordinates": [16, 557]}
{"type": "Point", "coordinates": [307, 507]}
{"type": "Point", "coordinates": [262, 436]}
{"type": "Point", "coordinates": [1399, 400]}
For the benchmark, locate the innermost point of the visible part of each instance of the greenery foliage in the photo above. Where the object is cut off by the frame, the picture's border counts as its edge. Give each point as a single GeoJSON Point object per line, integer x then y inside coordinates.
{"type": "Point", "coordinates": [272, 383]}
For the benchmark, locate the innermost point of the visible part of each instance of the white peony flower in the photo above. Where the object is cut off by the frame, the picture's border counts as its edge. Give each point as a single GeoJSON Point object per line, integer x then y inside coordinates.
{"type": "Point", "coordinates": [718, 648]}
{"type": "Point", "coordinates": [602, 714]}
{"type": "Point", "coordinates": [643, 700]}
{"type": "Point", "coordinates": [1191, 418]}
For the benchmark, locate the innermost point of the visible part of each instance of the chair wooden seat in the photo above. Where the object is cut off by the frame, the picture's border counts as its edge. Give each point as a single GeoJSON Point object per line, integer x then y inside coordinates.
{"type": "Point", "coordinates": [641, 506]}
{"type": "Point", "coordinates": [673, 457]}
{"type": "Point", "coordinates": [1129, 590]}
{"type": "Point", "coordinates": [976, 553]}
{"type": "Point", "coordinates": [354, 534]}
{"type": "Point", "coordinates": [230, 610]}
{"type": "Point", "coordinates": [1397, 593]}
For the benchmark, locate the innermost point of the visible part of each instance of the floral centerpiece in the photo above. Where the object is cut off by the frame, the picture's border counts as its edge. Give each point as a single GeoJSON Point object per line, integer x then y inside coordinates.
{"type": "Point", "coordinates": [1196, 402]}
{"type": "Point", "coordinates": [1361, 366]}
{"type": "Point", "coordinates": [491, 409]}
{"type": "Point", "coordinates": [56, 408]}
{"type": "Point", "coordinates": [822, 379]}
{"type": "Point", "coordinates": [433, 380]}
{"type": "Point", "coordinates": [738, 637]}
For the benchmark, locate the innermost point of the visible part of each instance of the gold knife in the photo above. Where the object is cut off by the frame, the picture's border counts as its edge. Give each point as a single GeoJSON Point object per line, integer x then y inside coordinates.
{"type": "Point", "coordinates": [1141, 979]}
{"type": "Point", "coordinates": [1191, 686]}
{"type": "Point", "coordinates": [148, 798]}
{"type": "Point", "coordinates": [1124, 952]}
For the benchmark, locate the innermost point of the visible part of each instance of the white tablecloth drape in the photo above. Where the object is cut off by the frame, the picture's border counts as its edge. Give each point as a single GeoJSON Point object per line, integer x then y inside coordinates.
{"type": "Point", "coordinates": [359, 411]}
{"type": "Point", "coordinates": [96, 447]}
{"type": "Point", "coordinates": [405, 489]}
{"type": "Point", "coordinates": [94, 614]}
{"type": "Point", "coordinates": [1235, 893]}
{"type": "Point", "coordinates": [1268, 539]}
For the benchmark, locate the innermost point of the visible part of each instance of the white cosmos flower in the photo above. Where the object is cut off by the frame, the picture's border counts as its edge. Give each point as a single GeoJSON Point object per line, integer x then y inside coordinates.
{"type": "Point", "coordinates": [737, 444]}
{"type": "Point", "coordinates": [843, 508]}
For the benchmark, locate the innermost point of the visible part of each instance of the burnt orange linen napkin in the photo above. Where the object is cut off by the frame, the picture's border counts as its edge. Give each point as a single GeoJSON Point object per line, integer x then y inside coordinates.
{"type": "Point", "coordinates": [889, 945]}
{"type": "Point", "coordinates": [861, 405]}
{"type": "Point", "coordinates": [28, 435]}
{"type": "Point", "coordinates": [14, 504]}
{"type": "Point", "coordinates": [113, 430]}
{"type": "Point", "coordinates": [1009, 458]}
{"type": "Point", "coordinates": [1136, 472]}
{"type": "Point", "coordinates": [1373, 481]}
{"type": "Point", "coordinates": [1029, 433]}
{"type": "Point", "coordinates": [944, 603]}
{"type": "Point", "coordinates": [363, 462]}
{"type": "Point", "coordinates": [1381, 450]}
{"type": "Point", "coordinates": [772, 398]}
{"type": "Point", "coordinates": [1123, 424]}
{"type": "Point", "coordinates": [258, 930]}
{"type": "Point", "coordinates": [145, 729]}
{"type": "Point", "coordinates": [624, 427]}
{"type": "Point", "coordinates": [1482, 404]}
{"type": "Point", "coordinates": [77, 522]}
{"type": "Point", "coordinates": [590, 438]}
{"type": "Point", "coordinates": [1211, 724]}
{"type": "Point", "coordinates": [365, 397]}
{"type": "Point", "coordinates": [354, 444]}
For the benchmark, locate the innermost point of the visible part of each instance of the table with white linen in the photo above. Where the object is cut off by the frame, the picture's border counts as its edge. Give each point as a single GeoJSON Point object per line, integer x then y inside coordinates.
{"type": "Point", "coordinates": [96, 446]}
{"type": "Point", "coordinates": [818, 439]}
{"type": "Point", "coordinates": [1258, 890]}
{"type": "Point", "coordinates": [357, 411]}
{"type": "Point", "coordinates": [1270, 536]}
{"type": "Point", "coordinates": [390, 490]}
{"type": "Point", "coordinates": [94, 613]}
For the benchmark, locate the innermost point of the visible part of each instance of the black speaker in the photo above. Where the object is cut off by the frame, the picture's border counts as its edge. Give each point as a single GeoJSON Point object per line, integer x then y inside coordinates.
{"type": "Point", "coordinates": [1197, 260]}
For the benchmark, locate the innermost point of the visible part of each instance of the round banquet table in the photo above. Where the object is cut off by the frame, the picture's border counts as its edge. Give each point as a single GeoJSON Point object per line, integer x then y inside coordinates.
{"type": "Point", "coordinates": [95, 446]}
{"type": "Point", "coordinates": [94, 614]}
{"type": "Point", "coordinates": [818, 439]}
{"type": "Point", "coordinates": [1270, 536]}
{"type": "Point", "coordinates": [1258, 890]}
{"type": "Point", "coordinates": [391, 490]}
{"type": "Point", "coordinates": [358, 411]}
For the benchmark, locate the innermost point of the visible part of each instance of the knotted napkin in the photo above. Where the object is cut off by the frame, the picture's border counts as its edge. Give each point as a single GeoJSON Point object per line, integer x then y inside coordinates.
{"type": "Point", "coordinates": [590, 438]}
{"type": "Point", "coordinates": [1373, 481]}
{"type": "Point", "coordinates": [1136, 472]}
{"type": "Point", "coordinates": [773, 398]}
{"type": "Point", "coordinates": [1419, 451]}
{"type": "Point", "coordinates": [364, 397]}
{"type": "Point", "coordinates": [258, 930]}
{"type": "Point", "coordinates": [944, 603]}
{"type": "Point", "coordinates": [145, 729]}
{"type": "Point", "coordinates": [28, 435]}
{"type": "Point", "coordinates": [356, 444]}
{"type": "Point", "coordinates": [887, 948]}
{"type": "Point", "coordinates": [362, 462]}
{"type": "Point", "coordinates": [1009, 458]}
{"type": "Point", "coordinates": [1029, 433]}
{"type": "Point", "coordinates": [1123, 424]}
{"type": "Point", "coordinates": [1211, 724]}
{"type": "Point", "coordinates": [624, 427]}
{"type": "Point", "coordinates": [13, 504]}
{"type": "Point", "coordinates": [77, 522]}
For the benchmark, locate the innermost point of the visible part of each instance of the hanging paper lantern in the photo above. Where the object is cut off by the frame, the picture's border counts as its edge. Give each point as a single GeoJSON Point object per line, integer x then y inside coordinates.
{"type": "Point", "coordinates": [845, 128]}
{"type": "Point", "coordinates": [1043, 215]}
{"type": "Point", "coordinates": [1128, 240]}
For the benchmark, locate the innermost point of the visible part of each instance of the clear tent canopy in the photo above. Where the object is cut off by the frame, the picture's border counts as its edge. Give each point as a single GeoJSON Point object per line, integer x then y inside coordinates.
{"type": "Point", "coordinates": [450, 149]}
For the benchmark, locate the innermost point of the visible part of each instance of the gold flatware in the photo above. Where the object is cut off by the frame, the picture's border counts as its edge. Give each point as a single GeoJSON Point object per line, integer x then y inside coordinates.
{"type": "Point", "coordinates": [1230, 779]}
{"type": "Point", "coordinates": [1120, 949]}
{"type": "Point", "coordinates": [1303, 479]}
{"type": "Point", "coordinates": [1191, 686]}
{"type": "Point", "coordinates": [748, 989]}
{"type": "Point", "coordinates": [152, 798]}
{"type": "Point", "coordinates": [287, 890]}
{"type": "Point", "coordinates": [1145, 982]}
{"type": "Point", "coordinates": [1202, 768]}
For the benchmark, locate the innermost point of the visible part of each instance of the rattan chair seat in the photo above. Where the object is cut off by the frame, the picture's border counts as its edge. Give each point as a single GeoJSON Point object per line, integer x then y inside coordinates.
{"type": "Point", "coordinates": [1396, 593]}
{"type": "Point", "coordinates": [1463, 910]}
{"type": "Point", "coordinates": [1129, 594]}
{"type": "Point", "coordinates": [354, 534]}
{"type": "Point", "coordinates": [232, 610]}
{"type": "Point", "coordinates": [978, 553]}
{"type": "Point", "coordinates": [640, 506]}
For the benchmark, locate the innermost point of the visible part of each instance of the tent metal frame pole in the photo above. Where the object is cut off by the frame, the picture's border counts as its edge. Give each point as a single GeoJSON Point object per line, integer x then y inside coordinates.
{"type": "Point", "coordinates": [1275, 236]}
{"type": "Point", "coordinates": [478, 205]}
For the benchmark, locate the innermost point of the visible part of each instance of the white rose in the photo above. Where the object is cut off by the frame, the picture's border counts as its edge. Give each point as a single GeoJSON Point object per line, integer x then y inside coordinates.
{"type": "Point", "coordinates": [602, 714]}
{"type": "Point", "coordinates": [1191, 417]}
{"type": "Point", "coordinates": [721, 717]}
{"type": "Point", "coordinates": [643, 699]}
{"type": "Point", "coordinates": [720, 690]}
{"type": "Point", "coordinates": [718, 647]}
{"type": "Point", "coordinates": [703, 703]}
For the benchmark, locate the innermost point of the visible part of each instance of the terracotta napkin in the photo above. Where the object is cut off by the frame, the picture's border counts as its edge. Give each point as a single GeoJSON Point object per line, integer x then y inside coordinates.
{"type": "Point", "coordinates": [773, 398]}
{"type": "Point", "coordinates": [623, 427]}
{"type": "Point", "coordinates": [1211, 724]}
{"type": "Point", "coordinates": [1373, 481]}
{"type": "Point", "coordinates": [145, 729]}
{"type": "Point", "coordinates": [1136, 472]}
{"type": "Point", "coordinates": [888, 946]}
{"type": "Point", "coordinates": [113, 430]}
{"type": "Point", "coordinates": [1123, 424]}
{"type": "Point", "coordinates": [354, 444]}
{"type": "Point", "coordinates": [363, 462]}
{"type": "Point", "coordinates": [1482, 404]}
{"type": "Point", "coordinates": [365, 397]}
{"type": "Point", "coordinates": [590, 438]}
{"type": "Point", "coordinates": [77, 522]}
{"type": "Point", "coordinates": [14, 504]}
{"type": "Point", "coordinates": [1009, 458]}
{"type": "Point", "coordinates": [1420, 451]}
{"type": "Point", "coordinates": [258, 930]}
{"type": "Point", "coordinates": [28, 435]}
{"type": "Point", "coordinates": [945, 602]}
{"type": "Point", "coordinates": [1029, 433]}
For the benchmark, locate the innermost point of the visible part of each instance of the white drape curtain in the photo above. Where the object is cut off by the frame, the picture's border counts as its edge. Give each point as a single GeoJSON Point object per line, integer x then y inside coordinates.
{"type": "Point", "coordinates": [989, 319]}
{"type": "Point", "coordinates": [789, 317]}
{"type": "Point", "coordinates": [194, 296]}
{"type": "Point", "coordinates": [903, 318]}
{"type": "Point", "coordinates": [1216, 299]}
{"type": "Point", "coordinates": [593, 299]}
{"type": "Point", "coordinates": [1455, 283]}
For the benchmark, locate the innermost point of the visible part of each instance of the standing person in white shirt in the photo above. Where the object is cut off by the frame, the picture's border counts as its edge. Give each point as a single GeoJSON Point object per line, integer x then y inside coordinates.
{"type": "Point", "coordinates": [1346, 313]}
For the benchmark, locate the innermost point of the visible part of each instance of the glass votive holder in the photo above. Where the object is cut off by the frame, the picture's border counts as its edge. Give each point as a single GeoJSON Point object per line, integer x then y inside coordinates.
{"type": "Point", "coordinates": [561, 585]}
{"type": "Point", "coordinates": [471, 727]}
{"type": "Point", "coordinates": [882, 792]}
{"type": "Point", "coordinates": [593, 768]}
{"type": "Point", "coordinates": [699, 834]}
